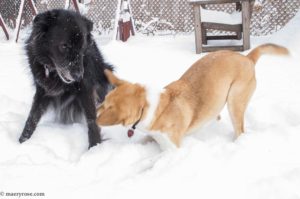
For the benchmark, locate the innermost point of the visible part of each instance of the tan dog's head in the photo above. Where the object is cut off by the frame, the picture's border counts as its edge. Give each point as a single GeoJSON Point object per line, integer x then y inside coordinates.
{"type": "Point", "coordinates": [123, 105]}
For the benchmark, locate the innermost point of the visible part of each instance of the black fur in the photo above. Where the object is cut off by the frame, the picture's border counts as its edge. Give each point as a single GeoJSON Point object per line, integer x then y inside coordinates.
{"type": "Point", "coordinates": [67, 68]}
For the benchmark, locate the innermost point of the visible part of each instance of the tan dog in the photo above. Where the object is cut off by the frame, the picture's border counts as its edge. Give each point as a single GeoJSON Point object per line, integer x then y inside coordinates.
{"type": "Point", "coordinates": [186, 104]}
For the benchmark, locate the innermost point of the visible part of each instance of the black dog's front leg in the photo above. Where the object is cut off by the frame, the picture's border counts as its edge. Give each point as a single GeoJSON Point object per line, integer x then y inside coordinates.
{"type": "Point", "coordinates": [89, 109]}
{"type": "Point", "coordinates": [39, 106]}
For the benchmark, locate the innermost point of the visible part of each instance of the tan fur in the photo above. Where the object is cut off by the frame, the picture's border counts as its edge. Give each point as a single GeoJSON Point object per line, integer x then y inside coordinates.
{"type": "Point", "coordinates": [111, 112]}
{"type": "Point", "coordinates": [267, 49]}
{"type": "Point", "coordinates": [197, 97]}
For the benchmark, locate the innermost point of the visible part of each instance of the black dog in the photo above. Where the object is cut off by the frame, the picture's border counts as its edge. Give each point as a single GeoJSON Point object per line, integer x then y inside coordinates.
{"type": "Point", "coordinates": [67, 68]}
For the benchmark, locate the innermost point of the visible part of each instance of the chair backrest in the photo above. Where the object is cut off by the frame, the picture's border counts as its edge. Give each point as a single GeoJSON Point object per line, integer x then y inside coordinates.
{"type": "Point", "coordinates": [239, 6]}
{"type": "Point", "coordinates": [229, 7]}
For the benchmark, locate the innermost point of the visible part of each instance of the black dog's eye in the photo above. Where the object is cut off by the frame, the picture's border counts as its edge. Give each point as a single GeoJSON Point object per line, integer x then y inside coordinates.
{"type": "Point", "coordinates": [63, 47]}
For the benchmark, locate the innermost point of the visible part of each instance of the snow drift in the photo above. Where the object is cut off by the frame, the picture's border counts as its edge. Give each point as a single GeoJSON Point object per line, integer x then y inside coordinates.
{"type": "Point", "coordinates": [262, 163]}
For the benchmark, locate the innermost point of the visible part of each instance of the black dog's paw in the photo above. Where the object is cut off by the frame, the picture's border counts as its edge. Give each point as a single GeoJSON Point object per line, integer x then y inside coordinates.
{"type": "Point", "coordinates": [92, 145]}
{"type": "Point", "coordinates": [94, 142]}
{"type": "Point", "coordinates": [23, 139]}
{"type": "Point", "coordinates": [94, 135]}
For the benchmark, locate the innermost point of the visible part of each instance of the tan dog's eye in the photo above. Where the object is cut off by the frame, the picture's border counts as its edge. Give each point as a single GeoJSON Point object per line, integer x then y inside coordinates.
{"type": "Point", "coordinates": [110, 107]}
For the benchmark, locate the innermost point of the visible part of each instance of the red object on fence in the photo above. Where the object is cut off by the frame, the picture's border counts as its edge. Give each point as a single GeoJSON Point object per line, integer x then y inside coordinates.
{"type": "Point", "coordinates": [2, 24]}
{"type": "Point", "coordinates": [124, 30]}
{"type": "Point", "coordinates": [125, 22]}
{"type": "Point", "coordinates": [76, 5]}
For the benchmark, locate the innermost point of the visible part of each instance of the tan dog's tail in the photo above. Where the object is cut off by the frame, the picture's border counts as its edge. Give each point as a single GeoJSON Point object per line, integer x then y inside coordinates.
{"type": "Point", "coordinates": [273, 49]}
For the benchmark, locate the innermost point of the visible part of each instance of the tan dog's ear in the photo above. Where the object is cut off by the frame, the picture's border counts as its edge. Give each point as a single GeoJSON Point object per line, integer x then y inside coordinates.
{"type": "Point", "coordinates": [133, 118]}
{"type": "Point", "coordinates": [112, 78]}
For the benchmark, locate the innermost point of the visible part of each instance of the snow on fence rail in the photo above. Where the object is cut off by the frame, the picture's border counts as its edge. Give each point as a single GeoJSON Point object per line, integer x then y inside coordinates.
{"type": "Point", "coordinates": [167, 15]}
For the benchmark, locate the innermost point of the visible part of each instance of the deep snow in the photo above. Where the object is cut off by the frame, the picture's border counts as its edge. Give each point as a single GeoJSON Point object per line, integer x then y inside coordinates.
{"type": "Point", "coordinates": [262, 163]}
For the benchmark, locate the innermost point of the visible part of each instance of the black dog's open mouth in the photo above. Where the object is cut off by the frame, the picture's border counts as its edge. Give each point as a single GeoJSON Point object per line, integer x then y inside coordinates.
{"type": "Point", "coordinates": [64, 76]}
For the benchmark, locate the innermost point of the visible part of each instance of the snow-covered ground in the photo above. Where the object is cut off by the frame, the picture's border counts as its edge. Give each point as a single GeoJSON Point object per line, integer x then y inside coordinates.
{"type": "Point", "coordinates": [263, 163]}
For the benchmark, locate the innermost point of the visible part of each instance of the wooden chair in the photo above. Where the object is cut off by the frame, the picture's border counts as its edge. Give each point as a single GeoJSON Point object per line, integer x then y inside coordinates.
{"type": "Point", "coordinates": [2, 24]}
{"type": "Point", "coordinates": [242, 30]}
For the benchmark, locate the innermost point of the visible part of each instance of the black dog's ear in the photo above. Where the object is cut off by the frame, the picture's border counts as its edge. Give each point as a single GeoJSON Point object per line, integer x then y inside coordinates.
{"type": "Point", "coordinates": [88, 23]}
{"type": "Point", "coordinates": [89, 26]}
{"type": "Point", "coordinates": [43, 21]}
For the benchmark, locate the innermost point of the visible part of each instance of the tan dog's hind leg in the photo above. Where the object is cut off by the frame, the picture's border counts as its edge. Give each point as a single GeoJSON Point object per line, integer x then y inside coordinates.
{"type": "Point", "coordinates": [238, 98]}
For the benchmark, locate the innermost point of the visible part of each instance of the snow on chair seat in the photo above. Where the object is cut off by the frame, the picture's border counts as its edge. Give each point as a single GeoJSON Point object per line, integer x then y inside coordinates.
{"type": "Point", "coordinates": [214, 16]}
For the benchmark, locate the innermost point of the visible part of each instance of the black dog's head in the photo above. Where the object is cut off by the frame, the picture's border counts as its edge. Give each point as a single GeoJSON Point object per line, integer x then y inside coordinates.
{"type": "Point", "coordinates": [59, 40]}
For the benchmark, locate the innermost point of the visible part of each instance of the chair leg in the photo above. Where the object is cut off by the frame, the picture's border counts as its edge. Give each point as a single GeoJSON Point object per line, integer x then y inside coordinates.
{"type": "Point", "coordinates": [198, 37]}
{"type": "Point", "coordinates": [246, 24]}
{"type": "Point", "coordinates": [204, 36]}
{"type": "Point", "coordinates": [238, 35]}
